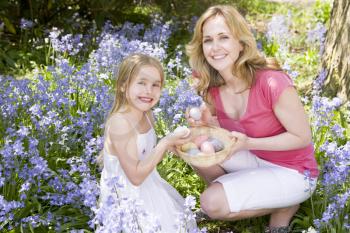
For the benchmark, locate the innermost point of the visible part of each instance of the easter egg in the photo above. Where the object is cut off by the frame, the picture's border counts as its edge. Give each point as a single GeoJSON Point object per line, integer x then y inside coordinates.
{"type": "Point", "coordinates": [193, 151]}
{"type": "Point", "coordinates": [217, 144]}
{"type": "Point", "coordinates": [182, 130]}
{"type": "Point", "coordinates": [200, 139]}
{"type": "Point", "coordinates": [195, 113]}
{"type": "Point", "coordinates": [187, 146]}
{"type": "Point", "coordinates": [207, 148]}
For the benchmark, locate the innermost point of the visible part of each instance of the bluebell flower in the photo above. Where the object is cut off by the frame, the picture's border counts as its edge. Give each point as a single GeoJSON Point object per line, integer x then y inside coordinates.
{"type": "Point", "coordinates": [25, 186]}
{"type": "Point", "coordinates": [26, 24]}
{"type": "Point", "coordinates": [175, 102]}
{"type": "Point", "coordinates": [278, 31]}
{"type": "Point", "coordinates": [316, 36]}
{"type": "Point", "coordinates": [319, 81]}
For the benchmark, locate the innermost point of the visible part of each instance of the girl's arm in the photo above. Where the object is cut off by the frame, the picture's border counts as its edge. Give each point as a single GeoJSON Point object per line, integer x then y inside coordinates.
{"type": "Point", "coordinates": [290, 112]}
{"type": "Point", "coordinates": [121, 141]}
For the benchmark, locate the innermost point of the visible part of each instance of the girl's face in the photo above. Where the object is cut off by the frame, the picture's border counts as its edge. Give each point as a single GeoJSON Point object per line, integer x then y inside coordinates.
{"type": "Point", "coordinates": [221, 49]}
{"type": "Point", "coordinates": [145, 88]}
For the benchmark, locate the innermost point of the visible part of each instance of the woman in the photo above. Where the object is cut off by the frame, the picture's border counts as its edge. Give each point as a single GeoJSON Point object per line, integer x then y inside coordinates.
{"type": "Point", "coordinates": [249, 95]}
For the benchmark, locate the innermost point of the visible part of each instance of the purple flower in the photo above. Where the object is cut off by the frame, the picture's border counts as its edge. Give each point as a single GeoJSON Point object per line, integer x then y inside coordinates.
{"type": "Point", "coordinates": [68, 43]}
{"type": "Point", "coordinates": [174, 105]}
{"type": "Point", "coordinates": [319, 81]}
{"type": "Point", "coordinates": [18, 148]}
{"type": "Point", "coordinates": [25, 187]}
{"type": "Point", "coordinates": [316, 35]}
{"type": "Point", "coordinates": [23, 131]}
{"type": "Point", "coordinates": [278, 32]}
{"type": "Point", "coordinates": [26, 24]}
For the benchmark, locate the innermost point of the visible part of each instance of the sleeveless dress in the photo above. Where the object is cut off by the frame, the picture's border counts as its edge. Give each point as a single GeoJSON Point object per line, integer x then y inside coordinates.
{"type": "Point", "coordinates": [158, 198]}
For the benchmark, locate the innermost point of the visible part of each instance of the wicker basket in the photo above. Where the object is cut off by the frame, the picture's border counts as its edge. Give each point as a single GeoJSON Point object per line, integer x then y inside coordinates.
{"type": "Point", "coordinates": [207, 160]}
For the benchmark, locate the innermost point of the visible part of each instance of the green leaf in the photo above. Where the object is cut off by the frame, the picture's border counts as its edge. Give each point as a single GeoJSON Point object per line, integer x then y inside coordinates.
{"type": "Point", "coordinates": [9, 25]}
{"type": "Point", "coordinates": [49, 4]}
{"type": "Point", "coordinates": [31, 228]}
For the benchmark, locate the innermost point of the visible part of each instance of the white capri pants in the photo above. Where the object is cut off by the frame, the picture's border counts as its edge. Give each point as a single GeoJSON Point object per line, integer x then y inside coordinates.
{"type": "Point", "coordinates": [253, 183]}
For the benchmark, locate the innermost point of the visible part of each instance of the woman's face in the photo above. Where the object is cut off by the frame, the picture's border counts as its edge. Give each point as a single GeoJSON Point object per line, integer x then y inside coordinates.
{"type": "Point", "coordinates": [221, 49]}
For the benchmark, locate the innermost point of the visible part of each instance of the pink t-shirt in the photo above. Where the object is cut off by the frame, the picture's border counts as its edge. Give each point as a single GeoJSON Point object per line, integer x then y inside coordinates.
{"type": "Point", "coordinates": [260, 121]}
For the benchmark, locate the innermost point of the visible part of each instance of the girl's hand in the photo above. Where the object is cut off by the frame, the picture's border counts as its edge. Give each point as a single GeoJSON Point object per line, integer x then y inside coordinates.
{"type": "Point", "coordinates": [172, 150]}
{"type": "Point", "coordinates": [175, 139]}
{"type": "Point", "coordinates": [206, 118]}
{"type": "Point", "coordinates": [241, 143]}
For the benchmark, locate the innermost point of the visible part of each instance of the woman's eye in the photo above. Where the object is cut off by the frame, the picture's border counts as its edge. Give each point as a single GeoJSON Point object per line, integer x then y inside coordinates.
{"type": "Point", "coordinates": [206, 40]}
{"type": "Point", "coordinates": [141, 83]}
{"type": "Point", "coordinates": [224, 37]}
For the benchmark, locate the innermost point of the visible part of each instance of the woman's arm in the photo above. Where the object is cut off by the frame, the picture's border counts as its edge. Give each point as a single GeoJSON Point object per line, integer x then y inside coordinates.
{"type": "Point", "coordinates": [290, 112]}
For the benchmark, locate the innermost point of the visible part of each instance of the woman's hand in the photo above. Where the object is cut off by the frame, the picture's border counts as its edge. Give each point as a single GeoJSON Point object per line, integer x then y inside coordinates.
{"type": "Point", "coordinates": [241, 143]}
{"type": "Point", "coordinates": [206, 118]}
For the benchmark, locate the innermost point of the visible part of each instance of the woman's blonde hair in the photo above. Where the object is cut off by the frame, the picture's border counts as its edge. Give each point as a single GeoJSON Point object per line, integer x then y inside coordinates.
{"type": "Point", "coordinates": [249, 60]}
{"type": "Point", "coordinates": [128, 69]}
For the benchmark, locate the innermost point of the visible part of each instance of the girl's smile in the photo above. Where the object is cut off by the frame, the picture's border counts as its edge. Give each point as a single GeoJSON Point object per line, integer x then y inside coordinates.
{"type": "Point", "coordinates": [145, 99]}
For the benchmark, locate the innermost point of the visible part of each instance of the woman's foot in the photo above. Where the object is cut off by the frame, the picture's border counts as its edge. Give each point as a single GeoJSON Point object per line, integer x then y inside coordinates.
{"type": "Point", "coordinates": [201, 216]}
{"type": "Point", "coordinates": [285, 229]}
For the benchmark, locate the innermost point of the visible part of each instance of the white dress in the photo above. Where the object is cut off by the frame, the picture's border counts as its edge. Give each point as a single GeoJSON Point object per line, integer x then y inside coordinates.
{"type": "Point", "coordinates": [159, 198]}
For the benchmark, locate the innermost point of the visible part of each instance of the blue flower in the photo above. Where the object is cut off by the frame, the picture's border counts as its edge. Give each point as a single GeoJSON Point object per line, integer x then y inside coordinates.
{"type": "Point", "coordinates": [26, 24]}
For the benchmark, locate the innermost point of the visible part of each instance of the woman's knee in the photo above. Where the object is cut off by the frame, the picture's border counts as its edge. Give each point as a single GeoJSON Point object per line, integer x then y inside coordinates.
{"type": "Point", "coordinates": [212, 201]}
{"type": "Point", "coordinates": [208, 203]}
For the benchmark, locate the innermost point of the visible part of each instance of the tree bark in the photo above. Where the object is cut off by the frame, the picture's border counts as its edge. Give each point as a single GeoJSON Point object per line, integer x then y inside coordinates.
{"type": "Point", "coordinates": [336, 57]}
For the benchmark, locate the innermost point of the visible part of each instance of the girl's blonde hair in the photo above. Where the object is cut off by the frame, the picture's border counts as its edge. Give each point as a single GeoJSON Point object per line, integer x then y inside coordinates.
{"type": "Point", "coordinates": [249, 60]}
{"type": "Point", "coordinates": [128, 69]}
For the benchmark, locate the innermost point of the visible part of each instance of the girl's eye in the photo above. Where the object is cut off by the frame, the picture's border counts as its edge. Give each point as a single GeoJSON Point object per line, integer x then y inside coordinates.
{"type": "Point", "coordinates": [142, 83]}
{"type": "Point", "coordinates": [156, 85]}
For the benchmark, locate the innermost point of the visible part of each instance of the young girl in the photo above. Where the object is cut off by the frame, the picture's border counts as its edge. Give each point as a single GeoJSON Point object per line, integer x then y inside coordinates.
{"type": "Point", "coordinates": [130, 149]}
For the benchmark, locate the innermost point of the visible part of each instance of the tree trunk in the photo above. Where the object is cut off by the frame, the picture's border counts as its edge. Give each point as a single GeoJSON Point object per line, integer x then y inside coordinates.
{"type": "Point", "coordinates": [336, 57]}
